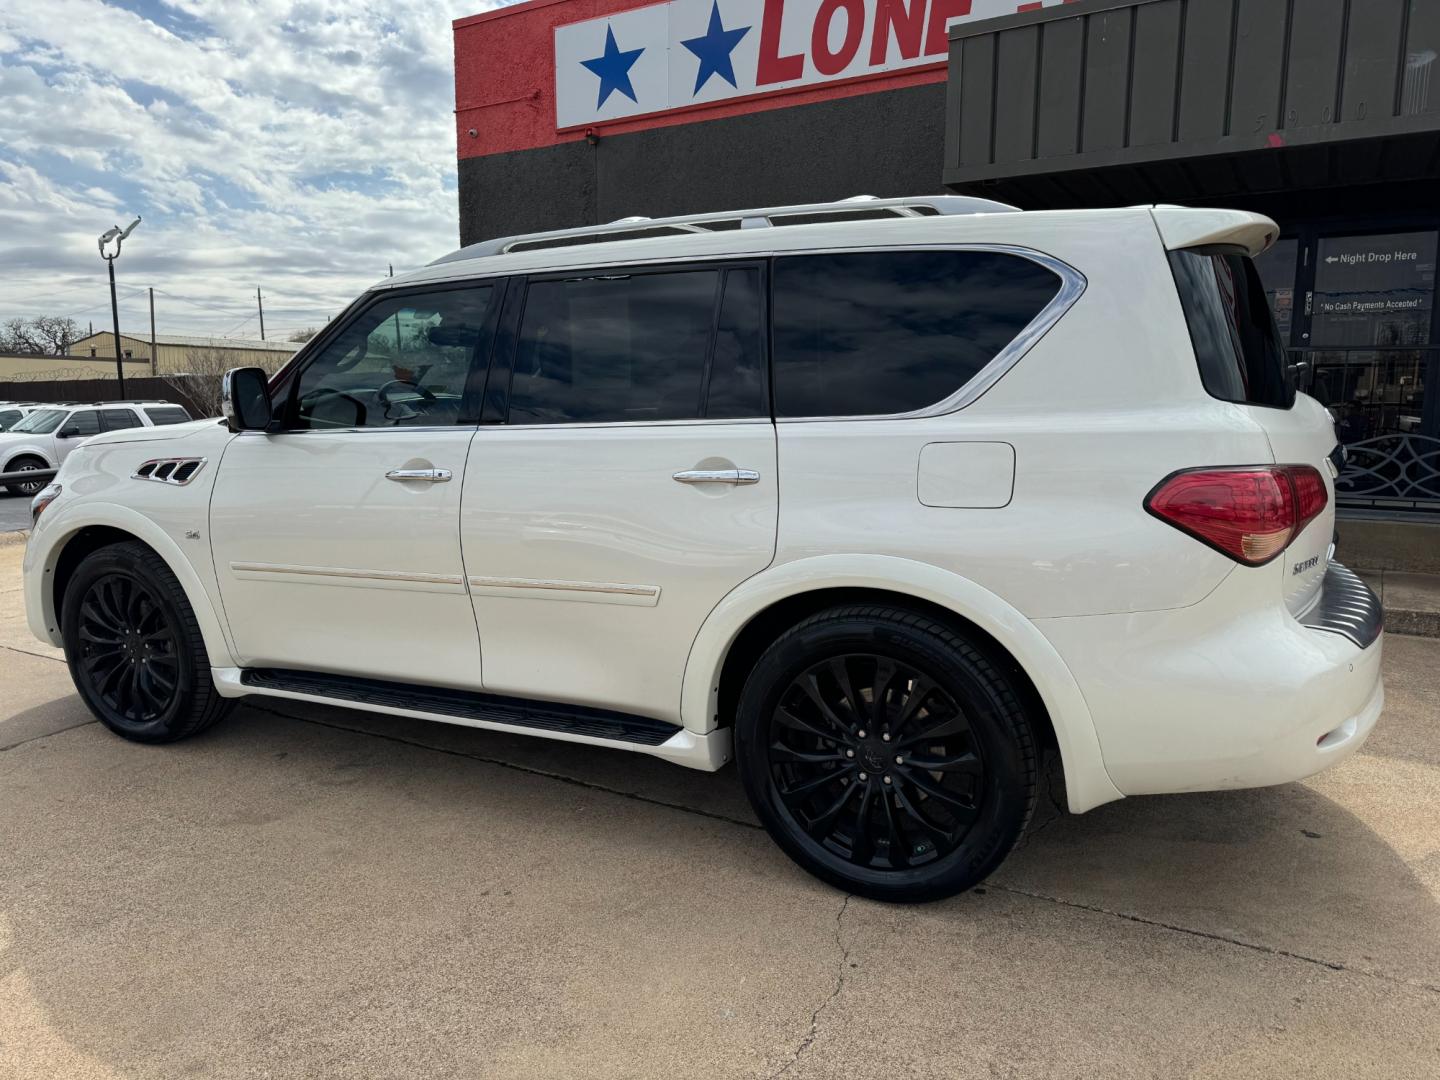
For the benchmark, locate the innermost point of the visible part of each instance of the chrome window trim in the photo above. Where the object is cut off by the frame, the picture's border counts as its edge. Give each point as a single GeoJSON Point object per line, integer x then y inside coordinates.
{"type": "Point", "coordinates": [1072, 286]}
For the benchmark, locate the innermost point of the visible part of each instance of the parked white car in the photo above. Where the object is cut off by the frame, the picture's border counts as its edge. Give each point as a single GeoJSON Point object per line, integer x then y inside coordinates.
{"type": "Point", "coordinates": [12, 412]}
{"type": "Point", "coordinates": [45, 435]}
{"type": "Point", "coordinates": [896, 504]}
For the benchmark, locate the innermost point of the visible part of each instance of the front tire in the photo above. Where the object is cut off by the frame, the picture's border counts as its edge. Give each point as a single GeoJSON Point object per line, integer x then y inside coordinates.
{"type": "Point", "coordinates": [886, 754]}
{"type": "Point", "coordinates": [27, 487]}
{"type": "Point", "coordinates": [134, 648]}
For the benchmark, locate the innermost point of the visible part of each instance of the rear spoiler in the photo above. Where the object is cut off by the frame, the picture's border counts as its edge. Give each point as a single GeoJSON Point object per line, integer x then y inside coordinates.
{"type": "Point", "coordinates": [1181, 227]}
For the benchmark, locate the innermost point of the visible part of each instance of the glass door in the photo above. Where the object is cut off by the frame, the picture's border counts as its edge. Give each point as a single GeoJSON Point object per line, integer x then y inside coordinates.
{"type": "Point", "coordinates": [1365, 330]}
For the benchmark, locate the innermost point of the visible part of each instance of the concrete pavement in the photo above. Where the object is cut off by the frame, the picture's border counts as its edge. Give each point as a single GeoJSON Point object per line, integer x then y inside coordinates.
{"type": "Point", "coordinates": [320, 892]}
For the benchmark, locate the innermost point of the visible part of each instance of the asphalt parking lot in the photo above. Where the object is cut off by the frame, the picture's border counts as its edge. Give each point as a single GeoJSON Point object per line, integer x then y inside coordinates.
{"type": "Point", "coordinates": [14, 512]}
{"type": "Point", "coordinates": [320, 892]}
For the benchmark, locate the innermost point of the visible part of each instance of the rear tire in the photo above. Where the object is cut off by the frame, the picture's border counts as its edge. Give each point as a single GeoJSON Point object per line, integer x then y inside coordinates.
{"type": "Point", "coordinates": [134, 648]}
{"type": "Point", "coordinates": [886, 753]}
{"type": "Point", "coordinates": [25, 464]}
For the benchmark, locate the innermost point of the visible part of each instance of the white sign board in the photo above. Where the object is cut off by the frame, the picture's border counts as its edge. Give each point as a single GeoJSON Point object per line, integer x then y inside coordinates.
{"type": "Point", "coordinates": [690, 52]}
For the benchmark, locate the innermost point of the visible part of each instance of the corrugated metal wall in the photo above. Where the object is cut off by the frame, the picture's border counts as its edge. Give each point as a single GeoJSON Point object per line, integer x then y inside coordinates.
{"type": "Point", "coordinates": [1107, 82]}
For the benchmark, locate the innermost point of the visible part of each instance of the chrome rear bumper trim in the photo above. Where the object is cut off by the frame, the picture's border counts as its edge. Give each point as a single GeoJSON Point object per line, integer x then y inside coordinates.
{"type": "Point", "coordinates": [1347, 607]}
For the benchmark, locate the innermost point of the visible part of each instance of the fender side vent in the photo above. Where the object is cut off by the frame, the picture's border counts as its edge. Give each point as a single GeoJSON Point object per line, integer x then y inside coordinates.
{"type": "Point", "coordinates": [179, 471]}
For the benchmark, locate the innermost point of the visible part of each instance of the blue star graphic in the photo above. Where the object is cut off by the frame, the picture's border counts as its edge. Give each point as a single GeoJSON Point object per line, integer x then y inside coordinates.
{"type": "Point", "coordinates": [714, 49]}
{"type": "Point", "coordinates": [613, 67]}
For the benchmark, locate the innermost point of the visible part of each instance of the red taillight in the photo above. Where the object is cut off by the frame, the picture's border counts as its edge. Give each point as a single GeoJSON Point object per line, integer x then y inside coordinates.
{"type": "Point", "coordinates": [1250, 514]}
{"type": "Point", "coordinates": [1310, 494]}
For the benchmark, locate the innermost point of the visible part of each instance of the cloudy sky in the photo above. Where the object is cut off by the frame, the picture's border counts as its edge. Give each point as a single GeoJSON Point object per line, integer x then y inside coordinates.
{"type": "Point", "coordinates": [300, 147]}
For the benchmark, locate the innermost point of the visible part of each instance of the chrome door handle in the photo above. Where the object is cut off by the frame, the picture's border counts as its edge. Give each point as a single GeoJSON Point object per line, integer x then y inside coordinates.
{"type": "Point", "coordinates": [429, 476]}
{"type": "Point", "coordinates": [718, 476]}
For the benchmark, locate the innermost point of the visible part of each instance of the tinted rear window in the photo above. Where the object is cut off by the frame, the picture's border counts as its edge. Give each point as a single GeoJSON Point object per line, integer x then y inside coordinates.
{"type": "Point", "coordinates": [614, 347]}
{"type": "Point", "coordinates": [172, 414]}
{"type": "Point", "coordinates": [871, 333]}
{"type": "Point", "coordinates": [1237, 345]}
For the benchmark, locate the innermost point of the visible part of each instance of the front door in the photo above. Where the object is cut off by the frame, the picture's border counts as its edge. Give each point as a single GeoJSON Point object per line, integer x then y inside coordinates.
{"type": "Point", "coordinates": [631, 486]}
{"type": "Point", "coordinates": [336, 540]}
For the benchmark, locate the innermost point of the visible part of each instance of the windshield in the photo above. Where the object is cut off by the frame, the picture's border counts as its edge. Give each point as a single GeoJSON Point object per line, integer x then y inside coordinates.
{"type": "Point", "coordinates": [41, 423]}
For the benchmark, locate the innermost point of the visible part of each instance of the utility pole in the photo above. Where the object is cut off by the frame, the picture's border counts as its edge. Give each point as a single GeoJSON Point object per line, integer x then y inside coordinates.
{"type": "Point", "coordinates": [392, 270]}
{"type": "Point", "coordinates": [154, 367]}
{"type": "Point", "coordinates": [261, 305]}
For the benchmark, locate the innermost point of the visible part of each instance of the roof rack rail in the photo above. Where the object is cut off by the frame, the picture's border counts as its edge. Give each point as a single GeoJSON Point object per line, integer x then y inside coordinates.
{"type": "Point", "coordinates": [855, 208]}
{"type": "Point", "coordinates": [131, 401]}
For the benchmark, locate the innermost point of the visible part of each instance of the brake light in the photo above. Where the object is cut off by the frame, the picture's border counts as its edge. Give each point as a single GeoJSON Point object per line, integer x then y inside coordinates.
{"type": "Point", "coordinates": [1250, 513]}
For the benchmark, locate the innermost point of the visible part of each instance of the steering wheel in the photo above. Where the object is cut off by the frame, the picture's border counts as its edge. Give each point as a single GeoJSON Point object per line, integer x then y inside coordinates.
{"type": "Point", "coordinates": [314, 397]}
{"type": "Point", "coordinates": [382, 395]}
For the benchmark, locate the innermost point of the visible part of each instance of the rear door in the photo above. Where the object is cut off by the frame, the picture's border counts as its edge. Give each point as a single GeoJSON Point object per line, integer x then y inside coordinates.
{"type": "Point", "coordinates": [1242, 360]}
{"type": "Point", "coordinates": [626, 483]}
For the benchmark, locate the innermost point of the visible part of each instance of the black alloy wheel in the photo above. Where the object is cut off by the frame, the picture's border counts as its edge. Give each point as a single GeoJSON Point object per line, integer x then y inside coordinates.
{"type": "Point", "coordinates": [875, 761]}
{"type": "Point", "coordinates": [128, 649]}
{"type": "Point", "coordinates": [886, 753]}
{"type": "Point", "coordinates": [134, 648]}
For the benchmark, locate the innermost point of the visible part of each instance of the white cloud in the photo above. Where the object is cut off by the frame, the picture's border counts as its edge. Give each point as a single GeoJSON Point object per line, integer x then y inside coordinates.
{"type": "Point", "coordinates": [300, 147]}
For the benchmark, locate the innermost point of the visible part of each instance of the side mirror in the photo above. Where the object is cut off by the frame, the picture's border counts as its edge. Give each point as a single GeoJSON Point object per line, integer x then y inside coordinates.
{"type": "Point", "coordinates": [245, 399]}
{"type": "Point", "coordinates": [69, 431]}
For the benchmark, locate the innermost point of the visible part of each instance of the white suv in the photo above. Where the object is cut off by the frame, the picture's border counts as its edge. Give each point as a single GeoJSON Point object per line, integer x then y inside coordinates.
{"type": "Point", "coordinates": [895, 503]}
{"type": "Point", "coordinates": [44, 437]}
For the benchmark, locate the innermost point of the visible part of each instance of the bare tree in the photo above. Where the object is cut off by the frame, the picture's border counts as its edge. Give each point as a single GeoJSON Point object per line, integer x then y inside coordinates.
{"type": "Point", "coordinates": [205, 368]}
{"type": "Point", "coordinates": [47, 335]}
{"type": "Point", "coordinates": [303, 335]}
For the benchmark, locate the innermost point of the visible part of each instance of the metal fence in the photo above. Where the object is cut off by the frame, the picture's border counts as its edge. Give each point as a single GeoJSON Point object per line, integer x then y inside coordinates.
{"type": "Point", "coordinates": [94, 390]}
{"type": "Point", "coordinates": [1390, 431]}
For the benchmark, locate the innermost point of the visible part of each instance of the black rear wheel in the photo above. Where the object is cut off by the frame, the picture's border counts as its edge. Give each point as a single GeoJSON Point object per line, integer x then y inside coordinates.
{"type": "Point", "coordinates": [134, 648]}
{"type": "Point", "coordinates": [886, 754]}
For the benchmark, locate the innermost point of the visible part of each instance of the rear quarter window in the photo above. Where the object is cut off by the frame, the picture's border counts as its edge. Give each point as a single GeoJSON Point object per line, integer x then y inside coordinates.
{"type": "Point", "coordinates": [172, 414]}
{"type": "Point", "coordinates": [1237, 345]}
{"type": "Point", "coordinates": [877, 333]}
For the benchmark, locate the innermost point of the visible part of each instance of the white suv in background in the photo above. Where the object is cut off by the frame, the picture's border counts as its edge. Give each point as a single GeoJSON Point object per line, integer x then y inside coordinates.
{"type": "Point", "coordinates": [896, 504]}
{"type": "Point", "coordinates": [44, 437]}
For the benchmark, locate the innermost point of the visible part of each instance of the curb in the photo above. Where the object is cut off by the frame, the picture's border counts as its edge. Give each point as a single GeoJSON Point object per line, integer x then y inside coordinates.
{"type": "Point", "coordinates": [1412, 623]}
{"type": "Point", "coordinates": [17, 537]}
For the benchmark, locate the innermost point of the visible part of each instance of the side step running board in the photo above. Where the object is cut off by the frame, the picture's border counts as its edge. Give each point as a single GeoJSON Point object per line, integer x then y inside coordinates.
{"type": "Point", "coordinates": [465, 706]}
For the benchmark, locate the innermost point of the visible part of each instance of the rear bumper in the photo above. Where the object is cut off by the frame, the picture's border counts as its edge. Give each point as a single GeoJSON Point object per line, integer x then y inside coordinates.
{"type": "Point", "coordinates": [1223, 694]}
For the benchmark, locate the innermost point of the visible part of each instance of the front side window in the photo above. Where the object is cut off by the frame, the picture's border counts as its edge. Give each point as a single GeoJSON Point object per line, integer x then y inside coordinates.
{"type": "Point", "coordinates": [877, 333]}
{"type": "Point", "coordinates": [614, 347]}
{"type": "Point", "coordinates": [402, 362]}
{"type": "Point", "coordinates": [41, 422]}
{"type": "Point", "coordinates": [82, 424]}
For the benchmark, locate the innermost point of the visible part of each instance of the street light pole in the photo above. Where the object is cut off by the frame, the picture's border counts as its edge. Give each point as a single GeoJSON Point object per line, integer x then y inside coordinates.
{"type": "Point", "coordinates": [116, 235]}
{"type": "Point", "coordinates": [115, 318]}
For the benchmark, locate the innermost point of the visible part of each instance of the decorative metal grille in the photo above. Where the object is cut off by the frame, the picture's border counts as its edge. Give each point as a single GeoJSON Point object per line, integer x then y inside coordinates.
{"type": "Point", "coordinates": [1402, 471]}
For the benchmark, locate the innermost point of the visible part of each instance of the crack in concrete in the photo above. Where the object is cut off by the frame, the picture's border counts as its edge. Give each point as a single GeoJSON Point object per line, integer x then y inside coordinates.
{"type": "Point", "coordinates": [1268, 950]}
{"type": "Point", "coordinates": [38, 656]}
{"type": "Point", "coordinates": [48, 734]}
{"type": "Point", "coordinates": [814, 1031]}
